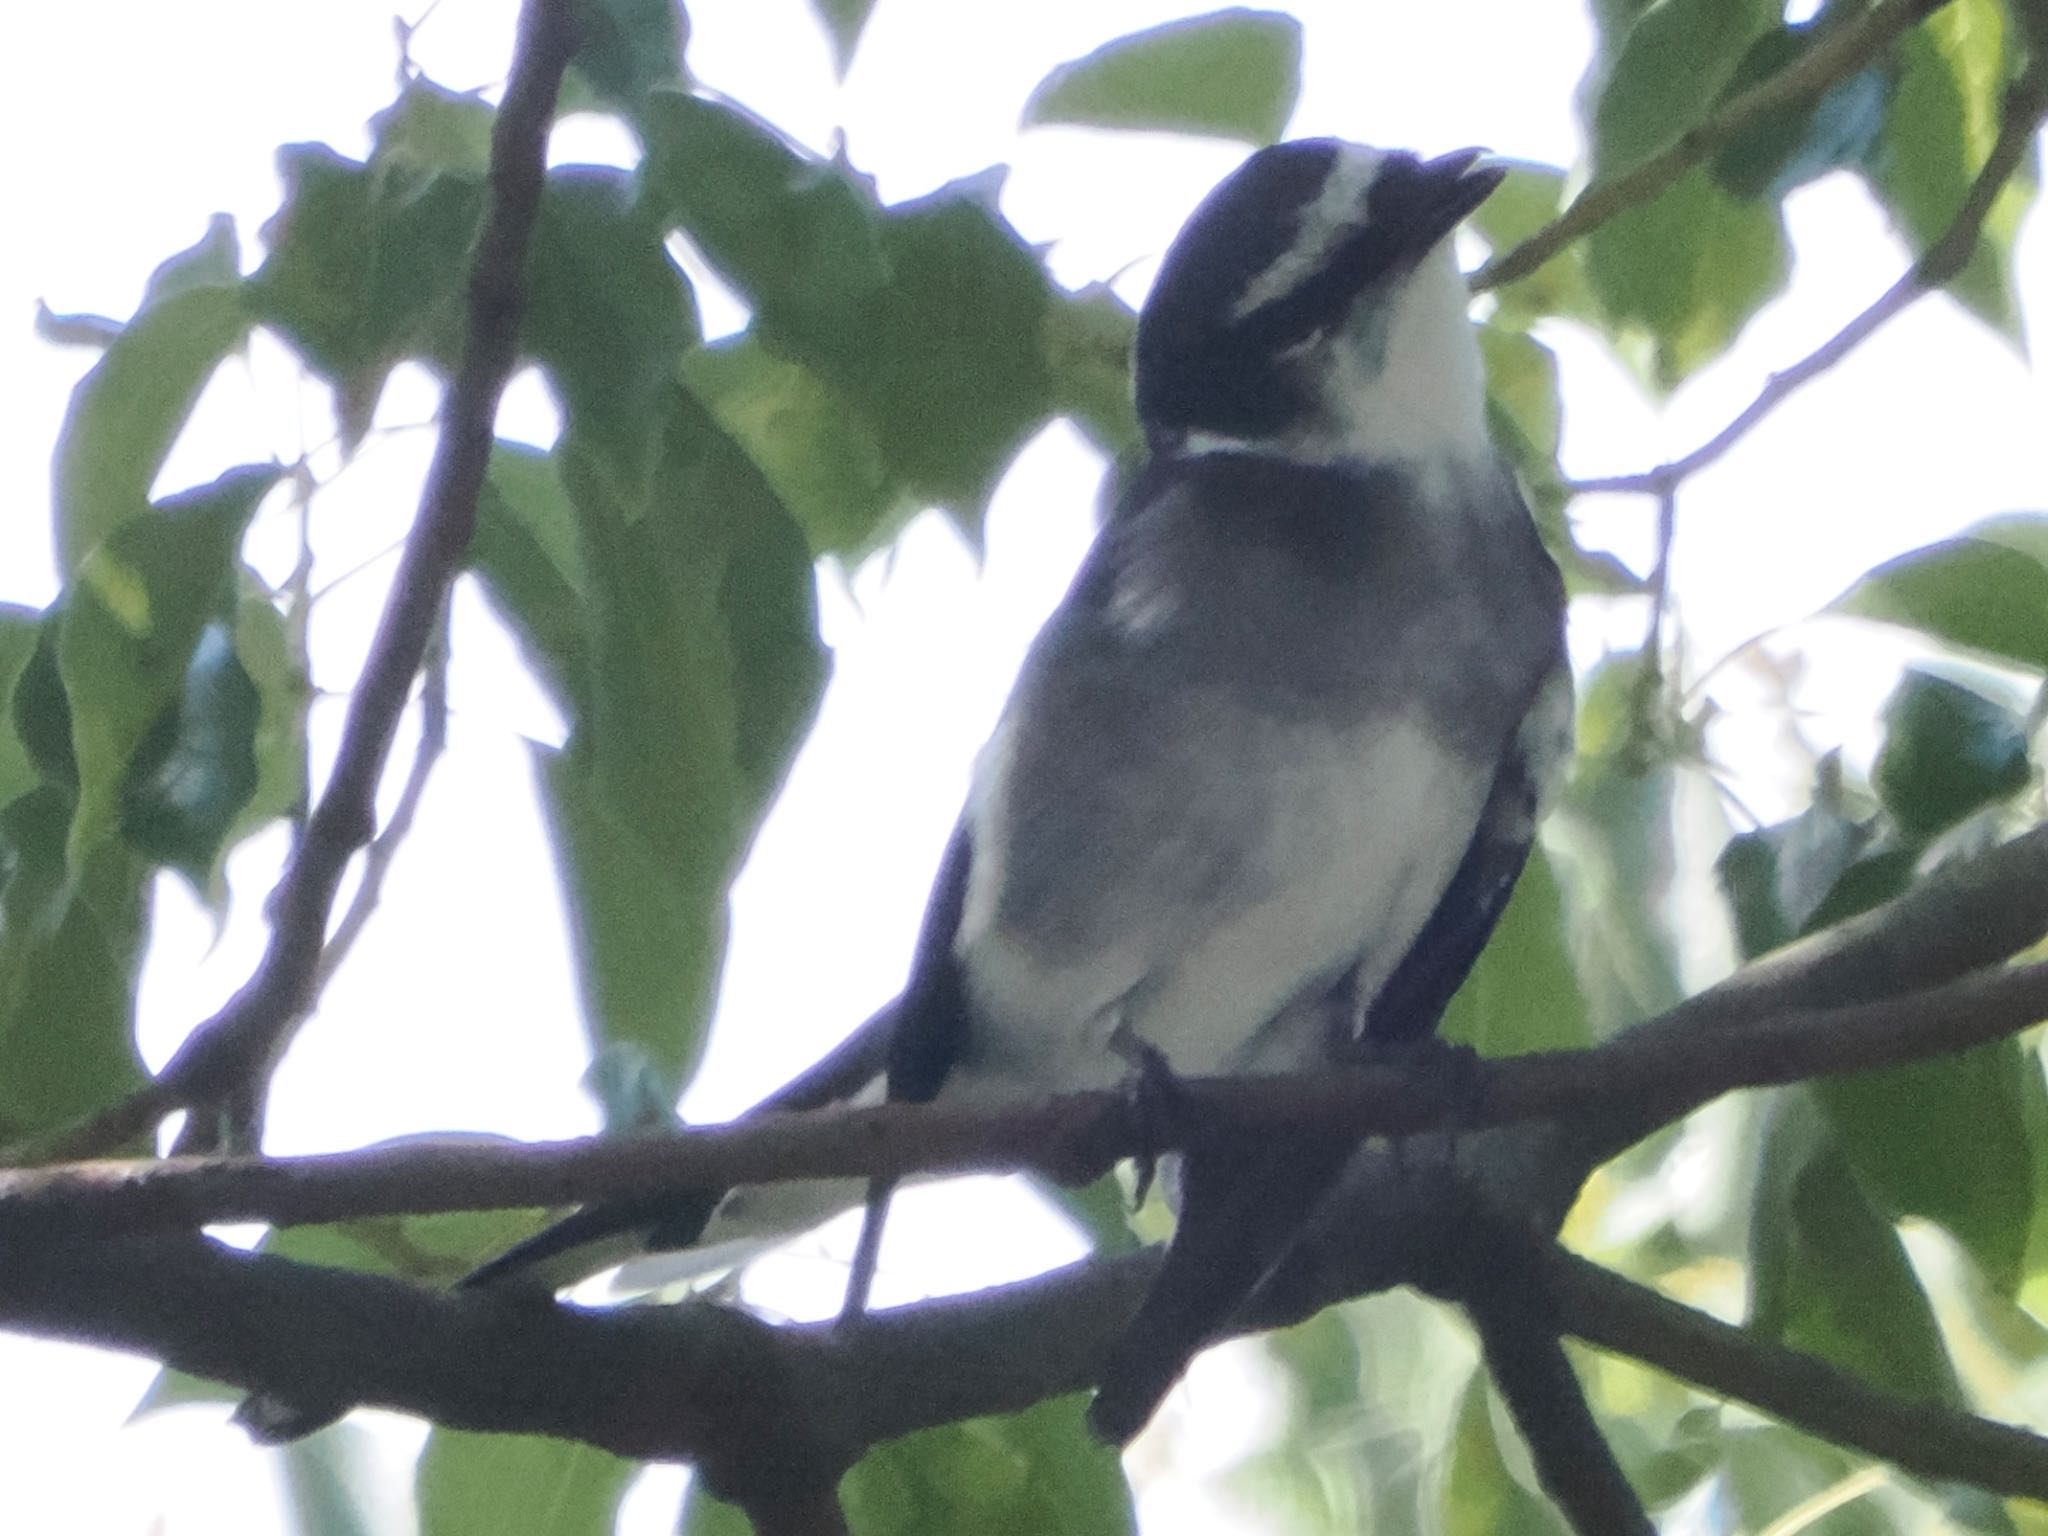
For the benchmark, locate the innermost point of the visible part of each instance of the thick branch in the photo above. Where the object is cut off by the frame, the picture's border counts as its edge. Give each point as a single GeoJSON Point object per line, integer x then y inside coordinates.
{"type": "Point", "coordinates": [1063, 1136]}
{"type": "Point", "coordinates": [1939, 264]}
{"type": "Point", "coordinates": [1843, 52]}
{"type": "Point", "coordinates": [240, 1041]}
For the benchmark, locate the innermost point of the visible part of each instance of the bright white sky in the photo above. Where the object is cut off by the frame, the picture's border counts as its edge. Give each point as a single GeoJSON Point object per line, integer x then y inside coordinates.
{"type": "Point", "coordinates": [131, 121]}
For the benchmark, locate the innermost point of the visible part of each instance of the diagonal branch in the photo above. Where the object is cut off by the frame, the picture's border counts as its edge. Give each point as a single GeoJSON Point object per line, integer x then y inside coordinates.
{"type": "Point", "coordinates": [1931, 1440]}
{"type": "Point", "coordinates": [227, 1052]}
{"type": "Point", "coordinates": [1843, 52]}
{"type": "Point", "coordinates": [2026, 104]}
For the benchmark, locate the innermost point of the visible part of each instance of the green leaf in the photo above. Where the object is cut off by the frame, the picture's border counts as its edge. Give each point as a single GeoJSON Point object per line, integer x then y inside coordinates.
{"type": "Point", "coordinates": [1481, 1494]}
{"type": "Point", "coordinates": [517, 1485]}
{"type": "Point", "coordinates": [366, 268]}
{"type": "Point", "coordinates": [950, 362]}
{"type": "Point", "coordinates": [430, 130]}
{"type": "Point", "coordinates": [1667, 74]}
{"type": "Point", "coordinates": [214, 262]}
{"type": "Point", "coordinates": [1944, 117]}
{"type": "Point", "coordinates": [21, 631]}
{"type": "Point", "coordinates": [844, 20]}
{"type": "Point", "coordinates": [1827, 1272]}
{"type": "Point", "coordinates": [1948, 751]}
{"type": "Point", "coordinates": [1531, 197]}
{"type": "Point", "coordinates": [525, 549]}
{"type": "Point", "coordinates": [1233, 74]}
{"type": "Point", "coordinates": [1523, 994]}
{"type": "Point", "coordinates": [704, 668]}
{"type": "Point", "coordinates": [1089, 338]}
{"type": "Point", "coordinates": [1779, 879]}
{"type": "Point", "coordinates": [798, 238]}
{"type": "Point", "coordinates": [1983, 591]}
{"type": "Point", "coordinates": [1798, 143]}
{"type": "Point", "coordinates": [1613, 843]}
{"type": "Point", "coordinates": [194, 771]}
{"type": "Point", "coordinates": [629, 48]}
{"type": "Point", "coordinates": [808, 440]}
{"type": "Point", "coordinates": [1039, 1470]}
{"type": "Point", "coordinates": [128, 410]}
{"type": "Point", "coordinates": [608, 314]}
{"type": "Point", "coordinates": [1898, 1131]}
{"type": "Point", "coordinates": [928, 319]}
{"type": "Point", "coordinates": [1678, 277]}
{"type": "Point", "coordinates": [132, 624]}
{"type": "Point", "coordinates": [70, 945]}
{"type": "Point", "coordinates": [285, 693]}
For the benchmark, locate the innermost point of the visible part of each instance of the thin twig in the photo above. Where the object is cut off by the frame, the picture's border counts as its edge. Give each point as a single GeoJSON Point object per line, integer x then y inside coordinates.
{"type": "Point", "coordinates": [1836, 57]}
{"type": "Point", "coordinates": [2026, 102]}
{"type": "Point", "coordinates": [225, 1052]}
{"type": "Point", "coordinates": [384, 849]}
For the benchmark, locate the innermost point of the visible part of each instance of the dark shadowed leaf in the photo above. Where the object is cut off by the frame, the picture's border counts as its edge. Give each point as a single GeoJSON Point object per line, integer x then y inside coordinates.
{"type": "Point", "coordinates": [517, 1485]}
{"type": "Point", "coordinates": [366, 268]}
{"type": "Point", "coordinates": [629, 48]}
{"type": "Point", "coordinates": [1948, 751]}
{"type": "Point", "coordinates": [21, 631]}
{"type": "Point", "coordinates": [1233, 74]}
{"type": "Point", "coordinates": [608, 314]}
{"type": "Point", "coordinates": [1796, 144]}
{"type": "Point", "coordinates": [70, 943]}
{"type": "Point", "coordinates": [194, 771]}
{"type": "Point", "coordinates": [844, 21]}
{"type": "Point", "coordinates": [125, 413]}
{"type": "Point", "coordinates": [1984, 591]}
{"type": "Point", "coordinates": [132, 624]}
{"type": "Point", "coordinates": [1827, 1272]}
{"type": "Point", "coordinates": [1944, 115]}
{"type": "Point", "coordinates": [798, 237]}
{"type": "Point", "coordinates": [265, 649]}
{"type": "Point", "coordinates": [1778, 879]}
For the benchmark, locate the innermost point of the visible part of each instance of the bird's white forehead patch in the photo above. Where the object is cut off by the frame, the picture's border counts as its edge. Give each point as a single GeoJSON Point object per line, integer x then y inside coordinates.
{"type": "Point", "coordinates": [1324, 222]}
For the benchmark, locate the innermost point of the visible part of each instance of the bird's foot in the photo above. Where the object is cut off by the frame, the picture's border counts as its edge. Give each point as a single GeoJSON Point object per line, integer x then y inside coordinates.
{"type": "Point", "coordinates": [1158, 1107]}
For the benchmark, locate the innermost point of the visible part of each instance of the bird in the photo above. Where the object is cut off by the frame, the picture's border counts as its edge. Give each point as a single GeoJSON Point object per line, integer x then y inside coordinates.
{"type": "Point", "coordinates": [1271, 769]}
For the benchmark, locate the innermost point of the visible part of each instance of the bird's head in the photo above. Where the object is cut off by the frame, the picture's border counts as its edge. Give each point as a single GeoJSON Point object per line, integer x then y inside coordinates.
{"type": "Point", "coordinates": [1312, 306]}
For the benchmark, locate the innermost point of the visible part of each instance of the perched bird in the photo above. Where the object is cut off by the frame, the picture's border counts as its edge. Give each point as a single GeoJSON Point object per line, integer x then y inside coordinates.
{"type": "Point", "coordinates": [1270, 771]}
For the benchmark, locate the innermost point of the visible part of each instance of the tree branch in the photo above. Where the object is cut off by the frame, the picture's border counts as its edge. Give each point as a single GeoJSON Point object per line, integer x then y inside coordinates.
{"type": "Point", "coordinates": [1841, 53]}
{"type": "Point", "coordinates": [1067, 1136]}
{"type": "Point", "coordinates": [2026, 103]}
{"type": "Point", "coordinates": [1931, 1440]}
{"type": "Point", "coordinates": [237, 1044]}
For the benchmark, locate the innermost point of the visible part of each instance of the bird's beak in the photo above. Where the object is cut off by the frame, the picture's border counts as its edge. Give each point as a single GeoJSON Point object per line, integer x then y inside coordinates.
{"type": "Point", "coordinates": [1443, 192]}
